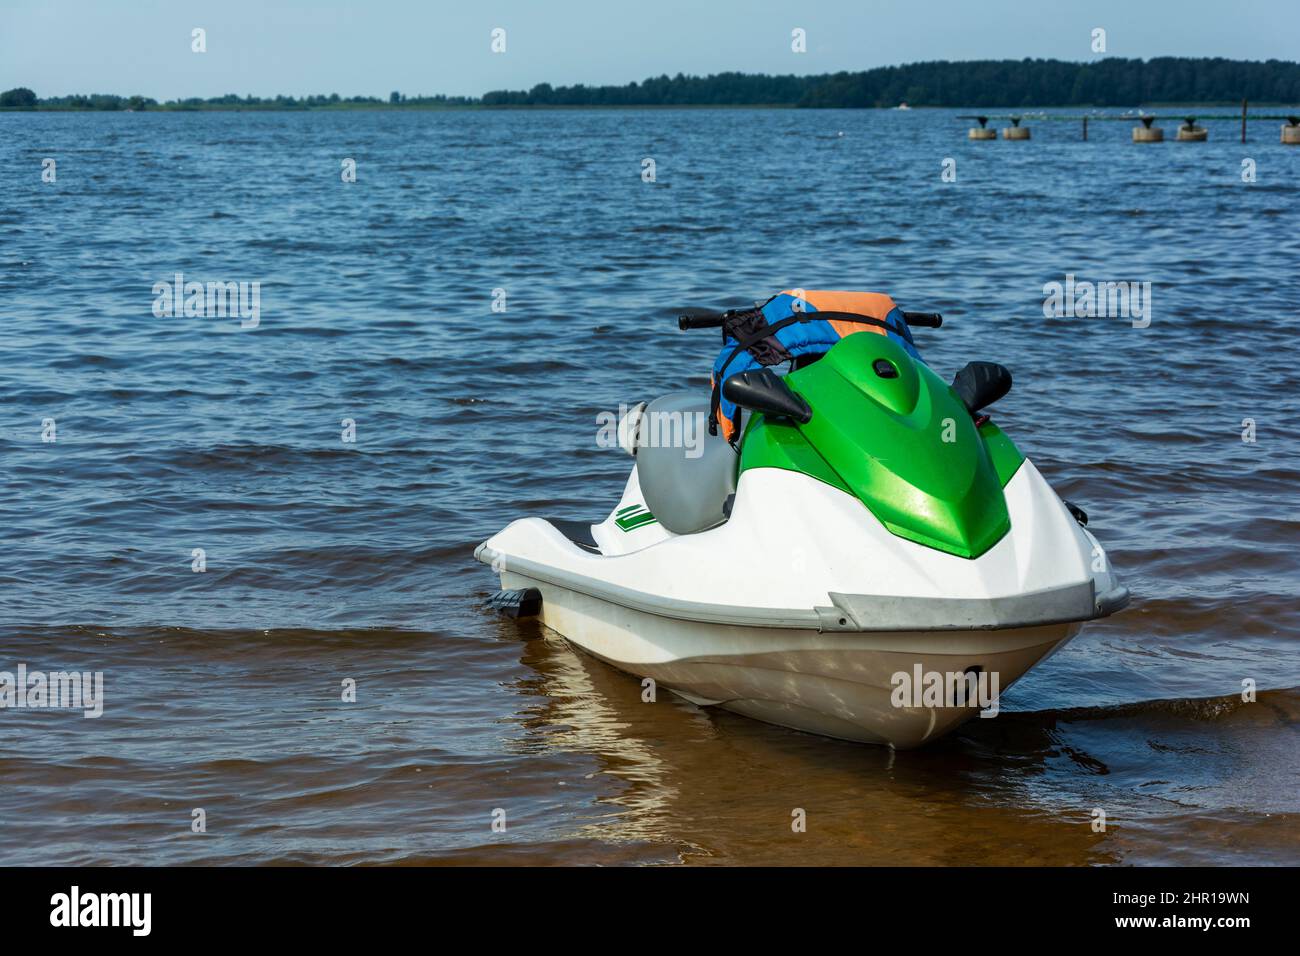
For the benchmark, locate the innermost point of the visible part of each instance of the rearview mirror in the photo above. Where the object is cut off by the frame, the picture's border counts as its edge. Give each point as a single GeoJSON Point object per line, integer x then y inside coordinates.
{"type": "Point", "coordinates": [762, 390]}
{"type": "Point", "coordinates": [981, 383]}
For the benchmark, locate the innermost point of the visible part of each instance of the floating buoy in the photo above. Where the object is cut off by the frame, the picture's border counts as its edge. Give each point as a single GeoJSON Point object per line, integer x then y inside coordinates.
{"type": "Point", "coordinates": [982, 131]}
{"type": "Point", "coordinates": [1015, 130]}
{"type": "Point", "coordinates": [1146, 133]}
{"type": "Point", "coordinates": [1291, 131]}
{"type": "Point", "coordinates": [1189, 132]}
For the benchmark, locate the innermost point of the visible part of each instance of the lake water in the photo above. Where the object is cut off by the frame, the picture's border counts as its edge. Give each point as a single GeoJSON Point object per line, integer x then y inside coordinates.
{"type": "Point", "coordinates": [330, 561]}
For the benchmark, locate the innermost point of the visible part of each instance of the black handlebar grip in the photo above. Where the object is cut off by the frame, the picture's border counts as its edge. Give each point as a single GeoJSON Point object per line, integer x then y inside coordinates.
{"type": "Point", "coordinates": [923, 320]}
{"type": "Point", "coordinates": [685, 322]}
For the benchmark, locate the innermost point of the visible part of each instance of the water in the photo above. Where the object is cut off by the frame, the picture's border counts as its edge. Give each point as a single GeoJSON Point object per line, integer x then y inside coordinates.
{"type": "Point", "coordinates": [329, 561]}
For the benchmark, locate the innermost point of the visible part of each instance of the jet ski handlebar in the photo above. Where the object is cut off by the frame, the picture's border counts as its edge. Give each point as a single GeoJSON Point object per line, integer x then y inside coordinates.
{"type": "Point", "coordinates": [916, 320]}
{"type": "Point", "coordinates": [685, 322]}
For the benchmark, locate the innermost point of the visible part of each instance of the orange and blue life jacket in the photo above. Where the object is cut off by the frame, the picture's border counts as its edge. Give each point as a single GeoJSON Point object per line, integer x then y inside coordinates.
{"type": "Point", "coordinates": [787, 327]}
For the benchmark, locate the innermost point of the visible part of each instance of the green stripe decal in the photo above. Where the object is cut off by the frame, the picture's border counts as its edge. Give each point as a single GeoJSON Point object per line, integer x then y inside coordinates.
{"type": "Point", "coordinates": [633, 517]}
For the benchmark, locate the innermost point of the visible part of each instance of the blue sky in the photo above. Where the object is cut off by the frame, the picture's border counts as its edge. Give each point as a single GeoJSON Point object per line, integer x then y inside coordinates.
{"type": "Point", "coordinates": [265, 47]}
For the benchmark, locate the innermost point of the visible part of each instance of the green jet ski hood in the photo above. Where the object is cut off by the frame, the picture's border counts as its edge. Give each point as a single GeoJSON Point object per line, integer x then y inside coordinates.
{"type": "Point", "coordinates": [903, 443]}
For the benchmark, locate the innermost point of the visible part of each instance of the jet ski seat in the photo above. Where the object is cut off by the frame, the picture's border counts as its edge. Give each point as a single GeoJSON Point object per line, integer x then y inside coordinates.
{"type": "Point", "coordinates": [579, 532]}
{"type": "Point", "coordinates": [687, 476]}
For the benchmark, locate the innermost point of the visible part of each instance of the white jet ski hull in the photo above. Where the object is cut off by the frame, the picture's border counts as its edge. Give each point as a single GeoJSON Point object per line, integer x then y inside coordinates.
{"type": "Point", "coordinates": [834, 684]}
{"type": "Point", "coordinates": [807, 622]}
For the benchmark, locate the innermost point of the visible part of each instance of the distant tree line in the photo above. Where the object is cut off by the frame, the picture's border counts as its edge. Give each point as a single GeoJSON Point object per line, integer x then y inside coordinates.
{"type": "Point", "coordinates": [720, 89]}
{"type": "Point", "coordinates": [1105, 82]}
{"type": "Point", "coordinates": [25, 99]}
{"type": "Point", "coordinates": [973, 83]}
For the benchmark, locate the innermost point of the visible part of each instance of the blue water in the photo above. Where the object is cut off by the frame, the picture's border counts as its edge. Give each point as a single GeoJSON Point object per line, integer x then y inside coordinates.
{"type": "Point", "coordinates": [328, 559]}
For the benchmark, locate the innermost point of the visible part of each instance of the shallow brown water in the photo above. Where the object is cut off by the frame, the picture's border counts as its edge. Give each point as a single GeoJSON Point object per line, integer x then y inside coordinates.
{"type": "Point", "coordinates": [253, 731]}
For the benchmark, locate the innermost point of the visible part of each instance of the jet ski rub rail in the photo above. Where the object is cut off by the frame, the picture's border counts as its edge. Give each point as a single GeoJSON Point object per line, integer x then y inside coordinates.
{"type": "Point", "coordinates": [1074, 602]}
{"type": "Point", "coordinates": [851, 612]}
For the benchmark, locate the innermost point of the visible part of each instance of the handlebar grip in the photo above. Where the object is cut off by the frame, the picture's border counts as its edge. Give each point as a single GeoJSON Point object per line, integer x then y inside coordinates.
{"type": "Point", "coordinates": [926, 320]}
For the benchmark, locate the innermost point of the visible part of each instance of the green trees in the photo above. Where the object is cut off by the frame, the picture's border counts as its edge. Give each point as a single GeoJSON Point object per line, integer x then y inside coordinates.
{"type": "Point", "coordinates": [974, 83]}
{"type": "Point", "coordinates": [93, 101]}
{"type": "Point", "coordinates": [982, 84]}
{"type": "Point", "coordinates": [19, 98]}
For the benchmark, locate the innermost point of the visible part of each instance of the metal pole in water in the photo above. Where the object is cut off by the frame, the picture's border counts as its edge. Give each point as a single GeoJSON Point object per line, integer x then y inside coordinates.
{"type": "Point", "coordinates": [1085, 129]}
{"type": "Point", "coordinates": [1243, 121]}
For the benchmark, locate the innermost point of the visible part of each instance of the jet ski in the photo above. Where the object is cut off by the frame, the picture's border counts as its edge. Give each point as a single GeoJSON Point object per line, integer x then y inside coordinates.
{"type": "Point", "coordinates": [835, 540]}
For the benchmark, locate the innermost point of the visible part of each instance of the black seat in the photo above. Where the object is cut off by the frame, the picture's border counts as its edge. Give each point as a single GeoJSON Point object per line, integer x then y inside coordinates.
{"type": "Point", "coordinates": [579, 532]}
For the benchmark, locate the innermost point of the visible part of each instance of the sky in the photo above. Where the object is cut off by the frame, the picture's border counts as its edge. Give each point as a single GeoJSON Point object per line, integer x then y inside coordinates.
{"type": "Point", "coordinates": [371, 47]}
